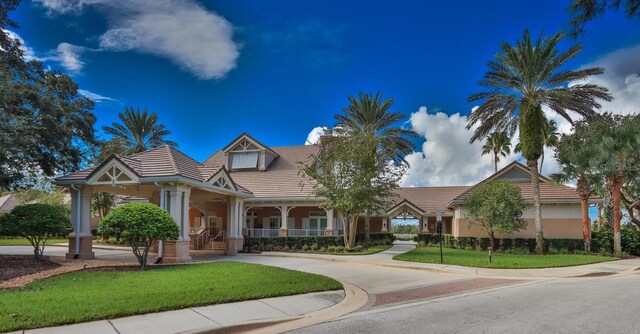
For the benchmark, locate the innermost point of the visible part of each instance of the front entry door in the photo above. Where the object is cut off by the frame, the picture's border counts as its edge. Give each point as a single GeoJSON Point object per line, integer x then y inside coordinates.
{"type": "Point", "coordinates": [215, 225]}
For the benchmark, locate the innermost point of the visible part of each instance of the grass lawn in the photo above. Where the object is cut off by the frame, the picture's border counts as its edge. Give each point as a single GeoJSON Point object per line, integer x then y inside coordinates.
{"type": "Point", "coordinates": [368, 251]}
{"type": "Point", "coordinates": [85, 296]}
{"type": "Point", "coordinates": [25, 242]}
{"type": "Point", "coordinates": [472, 258]}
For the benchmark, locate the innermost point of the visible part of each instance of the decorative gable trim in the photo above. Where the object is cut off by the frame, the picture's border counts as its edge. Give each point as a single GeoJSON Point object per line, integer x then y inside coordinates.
{"type": "Point", "coordinates": [246, 143]}
{"type": "Point", "coordinates": [409, 205]}
{"type": "Point", "coordinates": [222, 180]}
{"type": "Point", "coordinates": [113, 172]}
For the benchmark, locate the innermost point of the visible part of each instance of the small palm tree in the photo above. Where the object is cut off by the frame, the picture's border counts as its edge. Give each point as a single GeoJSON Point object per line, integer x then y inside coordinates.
{"type": "Point", "coordinates": [550, 138]}
{"type": "Point", "coordinates": [368, 113]}
{"type": "Point", "coordinates": [575, 153]}
{"type": "Point", "coordinates": [139, 130]}
{"type": "Point", "coordinates": [524, 78]}
{"type": "Point", "coordinates": [498, 144]}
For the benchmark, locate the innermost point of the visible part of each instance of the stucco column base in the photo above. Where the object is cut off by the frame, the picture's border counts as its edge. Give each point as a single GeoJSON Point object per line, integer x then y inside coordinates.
{"type": "Point", "coordinates": [328, 231]}
{"type": "Point", "coordinates": [86, 248]}
{"type": "Point", "coordinates": [234, 244]}
{"type": "Point", "coordinates": [284, 232]}
{"type": "Point", "coordinates": [176, 251]}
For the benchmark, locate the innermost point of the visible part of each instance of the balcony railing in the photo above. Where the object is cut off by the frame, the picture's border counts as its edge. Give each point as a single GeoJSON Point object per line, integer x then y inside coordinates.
{"type": "Point", "coordinates": [274, 232]}
{"type": "Point", "coordinates": [306, 232]}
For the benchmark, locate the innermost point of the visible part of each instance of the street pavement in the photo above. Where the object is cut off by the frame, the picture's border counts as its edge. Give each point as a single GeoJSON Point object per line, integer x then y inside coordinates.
{"type": "Point", "coordinates": [594, 305]}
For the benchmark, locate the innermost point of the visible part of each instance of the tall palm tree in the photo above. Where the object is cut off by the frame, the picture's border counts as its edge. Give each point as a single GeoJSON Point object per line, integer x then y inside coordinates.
{"type": "Point", "coordinates": [370, 114]}
{"type": "Point", "coordinates": [550, 138]}
{"type": "Point", "coordinates": [521, 80]}
{"type": "Point", "coordinates": [575, 154]}
{"type": "Point", "coordinates": [583, 11]}
{"type": "Point", "coordinates": [139, 130]}
{"type": "Point", "coordinates": [498, 144]}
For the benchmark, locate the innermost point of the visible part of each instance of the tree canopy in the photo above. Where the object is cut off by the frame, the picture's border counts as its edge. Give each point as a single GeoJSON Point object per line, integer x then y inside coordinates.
{"type": "Point", "coordinates": [139, 130]}
{"type": "Point", "coordinates": [46, 127]}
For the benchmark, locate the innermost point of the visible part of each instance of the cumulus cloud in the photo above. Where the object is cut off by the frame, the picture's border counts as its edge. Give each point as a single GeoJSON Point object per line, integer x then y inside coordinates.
{"type": "Point", "coordinates": [446, 157]}
{"type": "Point", "coordinates": [314, 136]}
{"type": "Point", "coordinates": [96, 97]}
{"type": "Point", "coordinates": [622, 78]}
{"type": "Point", "coordinates": [195, 38]}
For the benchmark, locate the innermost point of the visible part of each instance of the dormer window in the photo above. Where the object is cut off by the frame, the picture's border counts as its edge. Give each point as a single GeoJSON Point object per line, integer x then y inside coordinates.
{"type": "Point", "coordinates": [244, 160]}
{"type": "Point", "coordinates": [246, 153]}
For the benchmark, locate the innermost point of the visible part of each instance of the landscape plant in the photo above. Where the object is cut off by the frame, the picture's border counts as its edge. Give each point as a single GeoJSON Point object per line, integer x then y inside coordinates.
{"type": "Point", "coordinates": [140, 225]}
{"type": "Point", "coordinates": [495, 206]}
{"type": "Point", "coordinates": [35, 222]}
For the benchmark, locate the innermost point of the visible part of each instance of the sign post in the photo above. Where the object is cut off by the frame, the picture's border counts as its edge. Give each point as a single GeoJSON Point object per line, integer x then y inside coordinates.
{"type": "Point", "coordinates": [439, 227]}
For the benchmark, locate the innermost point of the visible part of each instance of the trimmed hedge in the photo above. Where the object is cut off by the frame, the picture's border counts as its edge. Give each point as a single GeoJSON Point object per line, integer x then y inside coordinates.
{"type": "Point", "coordinates": [601, 242]}
{"type": "Point", "coordinates": [285, 243]}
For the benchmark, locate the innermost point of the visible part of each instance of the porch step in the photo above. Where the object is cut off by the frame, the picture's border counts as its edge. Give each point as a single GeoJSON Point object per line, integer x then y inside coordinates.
{"type": "Point", "coordinates": [216, 245]}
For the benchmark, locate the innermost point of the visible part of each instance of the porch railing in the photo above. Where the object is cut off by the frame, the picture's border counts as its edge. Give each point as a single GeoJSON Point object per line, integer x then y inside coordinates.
{"type": "Point", "coordinates": [263, 232]}
{"type": "Point", "coordinates": [306, 232]}
{"type": "Point", "coordinates": [202, 238]}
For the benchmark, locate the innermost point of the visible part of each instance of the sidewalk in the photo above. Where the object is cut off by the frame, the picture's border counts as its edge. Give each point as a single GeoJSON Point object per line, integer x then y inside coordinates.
{"type": "Point", "coordinates": [208, 318]}
{"type": "Point", "coordinates": [385, 259]}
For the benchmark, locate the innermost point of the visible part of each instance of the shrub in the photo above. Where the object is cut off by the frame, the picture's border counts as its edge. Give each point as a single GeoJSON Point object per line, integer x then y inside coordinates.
{"type": "Point", "coordinates": [331, 249]}
{"type": "Point", "coordinates": [350, 249]}
{"type": "Point", "coordinates": [305, 248]}
{"type": "Point", "coordinates": [314, 247]}
{"type": "Point", "coordinates": [340, 249]}
{"type": "Point", "coordinates": [140, 225]}
{"type": "Point", "coordinates": [323, 249]}
{"type": "Point", "coordinates": [36, 223]}
{"type": "Point", "coordinates": [358, 248]}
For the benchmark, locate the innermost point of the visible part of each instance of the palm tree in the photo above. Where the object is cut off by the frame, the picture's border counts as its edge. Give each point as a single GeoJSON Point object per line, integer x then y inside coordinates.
{"type": "Point", "coordinates": [497, 143]}
{"type": "Point", "coordinates": [618, 156]}
{"type": "Point", "coordinates": [521, 80]}
{"type": "Point", "coordinates": [583, 11]}
{"type": "Point", "coordinates": [370, 115]}
{"type": "Point", "coordinates": [575, 154]}
{"type": "Point", "coordinates": [139, 130]}
{"type": "Point", "coordinates": [550, 138]}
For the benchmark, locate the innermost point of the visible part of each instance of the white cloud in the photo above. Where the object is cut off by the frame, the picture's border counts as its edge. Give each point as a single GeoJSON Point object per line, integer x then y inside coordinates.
{"type": "Point", "coordinates": [622, 78]}
{"type": "Point", "coordinates": [446, 157]}
{"type": "Point", "coordinates": [314, 136]}
{"type": "Point", "coordinates": [195, 38]}
{"type": "Point", "coordinates": [68, 56]}
{"type": "Point", "coordinates": [96, 97]}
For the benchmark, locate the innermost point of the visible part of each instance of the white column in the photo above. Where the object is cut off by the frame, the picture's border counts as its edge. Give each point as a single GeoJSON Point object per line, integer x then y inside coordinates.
{"type": "Point", "coordinates": [82, 203]}
{"type": "Point", "coordinates": [283, 217]}
{"type": "Point", "coordinates": [425, 224]}
{"type": "Point", "coordinates": [174, 207]}
{"type": "Point", "coordinates": [233, 225]}
{"type": "Point", "coordinates": [186, 194]}
{"type": "Point", "coordinates": [385, 224]}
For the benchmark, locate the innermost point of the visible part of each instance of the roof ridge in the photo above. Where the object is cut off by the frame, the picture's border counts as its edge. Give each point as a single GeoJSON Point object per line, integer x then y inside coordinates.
{"type": "Point", "coordinates": [423, 187]}
{"type": "Point", "coordinates": [174, 165]}
{"type": "Point", "coordinates": [173, 149]}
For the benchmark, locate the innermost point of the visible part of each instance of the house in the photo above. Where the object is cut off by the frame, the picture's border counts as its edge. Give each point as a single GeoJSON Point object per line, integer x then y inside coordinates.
{"type": "Point", "coordinates": [250, 189]}
{"type": "Point", "coordinates": [7, 203]}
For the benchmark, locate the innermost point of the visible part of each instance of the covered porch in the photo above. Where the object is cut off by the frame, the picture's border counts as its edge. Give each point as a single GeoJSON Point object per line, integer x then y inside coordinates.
{"type": "Point", "coordinates": [174, 182]}
{"type": "Point", "coordinates": [427, 220]}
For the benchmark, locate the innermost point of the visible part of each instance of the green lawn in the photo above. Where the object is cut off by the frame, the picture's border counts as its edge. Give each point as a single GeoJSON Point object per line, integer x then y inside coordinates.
{"type": "Point", "coordinates": [85, 296]}
{"type": "Point", "coordinates": [472, 258]}
{"type": "Point", "coordinates": [368, 251]}
{"type": "Point", "coordinates": [25, 242]}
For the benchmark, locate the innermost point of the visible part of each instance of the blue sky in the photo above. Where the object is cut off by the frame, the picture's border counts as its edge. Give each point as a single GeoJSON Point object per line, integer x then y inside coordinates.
{"type": "Point", "coordinates": [278, 69]}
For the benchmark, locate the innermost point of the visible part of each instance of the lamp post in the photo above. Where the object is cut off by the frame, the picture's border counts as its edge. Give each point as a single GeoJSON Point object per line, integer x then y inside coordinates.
{"type": "Point", "coordinates": [439, 227]}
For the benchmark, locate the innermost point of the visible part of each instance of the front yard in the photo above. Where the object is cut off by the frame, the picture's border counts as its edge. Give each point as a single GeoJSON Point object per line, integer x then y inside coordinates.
{"type": "Point", "coordinates": [25, 242]}
{"type": "Point", "coordinates": [92, 295]}
{"type": "Point", "coordinates": [472, 258]}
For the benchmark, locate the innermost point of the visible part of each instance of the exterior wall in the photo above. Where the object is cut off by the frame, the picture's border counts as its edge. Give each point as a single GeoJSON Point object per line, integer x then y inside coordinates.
{"type": "Point", "coordinates": [217, 209]}
{"type": "Point", "coordinates": [375, 225]}
{"type": "Point", "coordinates": [558, 221]}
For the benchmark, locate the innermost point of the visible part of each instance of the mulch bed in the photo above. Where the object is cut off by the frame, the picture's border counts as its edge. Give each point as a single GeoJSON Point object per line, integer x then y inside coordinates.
{"type": "Point", "coordinates": [12, 266]}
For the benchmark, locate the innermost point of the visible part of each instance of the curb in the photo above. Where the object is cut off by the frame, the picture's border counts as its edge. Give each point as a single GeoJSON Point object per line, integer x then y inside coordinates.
{"type": "Point", "coordinates": [354, 299]}
{"type": "Point", "coordinates": [586, 274]}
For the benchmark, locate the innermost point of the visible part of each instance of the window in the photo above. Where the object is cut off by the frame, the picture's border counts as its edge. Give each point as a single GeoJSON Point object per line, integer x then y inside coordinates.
{"type": "Point", "coordinates": [244, 160]}
{"type": "Point", "coordinates": [274, 222]}
{"type": "Point", "coordinates": [317, 220]}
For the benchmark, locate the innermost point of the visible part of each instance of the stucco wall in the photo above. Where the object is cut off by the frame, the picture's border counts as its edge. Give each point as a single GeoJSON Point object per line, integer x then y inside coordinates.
{"type": "Point", "coordinates": [558, 221]}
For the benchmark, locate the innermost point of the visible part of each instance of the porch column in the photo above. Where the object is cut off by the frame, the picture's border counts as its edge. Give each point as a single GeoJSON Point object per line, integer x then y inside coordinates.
{"type": "Point", "coordinates": [329, 230]}
{"type": "Point", "coordinates": [235, 241]}
{"type": "Point", "coordinates": [385, 224]}
{"type": "Point", "coordinates": [284, 231]}
{"type": "Point", "coordinates": [81, 212]}
{"type": "Point", "coordinates": [424, 220]}
{"type": "Point", "coordinates": [177, 204]}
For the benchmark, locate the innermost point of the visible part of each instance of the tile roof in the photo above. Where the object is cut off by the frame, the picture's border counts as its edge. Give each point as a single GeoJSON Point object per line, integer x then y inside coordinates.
{"type": "Point", "coordinates": [8, 202]}
{"type": "Point", "coordinates": [429, 199]}
{"type": "Point", "coordinates": [281, 179]}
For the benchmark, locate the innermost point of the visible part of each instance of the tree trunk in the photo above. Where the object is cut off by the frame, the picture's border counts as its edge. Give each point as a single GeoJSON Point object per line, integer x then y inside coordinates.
{"type": "Point", "coordinates": [600, 220]}
{"type": "Point", "coordinates": [353, 230]}
{"type": "Point", "coordinates": [535, 187]}
{"type": "Point", "coordinates": [366, 228]}
{"type": "Point", "coordinates": [609, 203]}
{"type": "Point", "coordinates": [495, 162]}
{"type": "Point", "coordinates": [345, 229]}
{"type": "Point", "coordinates": [586, 223]}
{"type": "Point", "coordinates": [541, 161]}
{"type": "Point", "coordinates": [617, 216]}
